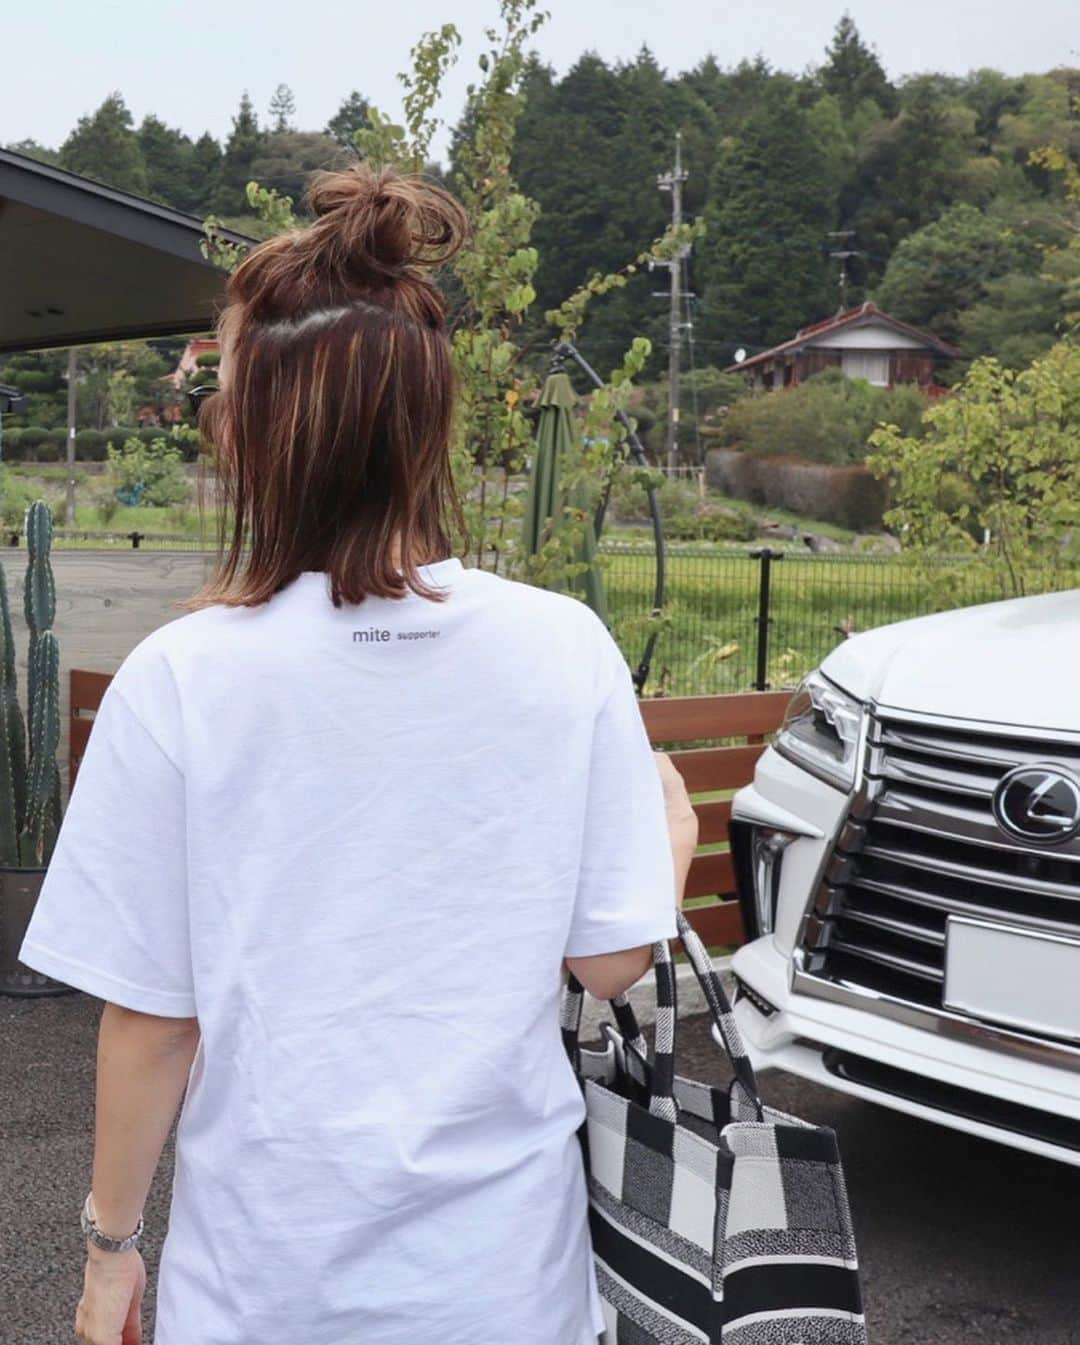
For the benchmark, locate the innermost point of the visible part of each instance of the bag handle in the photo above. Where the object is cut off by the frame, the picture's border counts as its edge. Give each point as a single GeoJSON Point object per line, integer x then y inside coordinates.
{"type": "Point", "coordinates": [662, 1091]}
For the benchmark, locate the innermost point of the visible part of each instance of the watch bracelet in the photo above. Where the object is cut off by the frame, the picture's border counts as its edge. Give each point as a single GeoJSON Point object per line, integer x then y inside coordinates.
{"type": "Point", "coordinates": [102, 1240]}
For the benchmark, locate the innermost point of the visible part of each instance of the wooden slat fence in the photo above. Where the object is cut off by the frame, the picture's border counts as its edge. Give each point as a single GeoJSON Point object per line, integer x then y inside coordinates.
{"type": "Point", "coordinates": [741, 721]}
{"type": "Point", "coordinates": [86, 691]}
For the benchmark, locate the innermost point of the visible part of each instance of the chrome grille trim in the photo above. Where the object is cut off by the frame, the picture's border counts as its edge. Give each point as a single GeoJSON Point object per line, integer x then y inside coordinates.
{"type": "Point", "coordinates": [920, 843]}
{"type": "Point", "coordinates": [952, 907]}
{"type": "Point", "coordinates": [970, 873]}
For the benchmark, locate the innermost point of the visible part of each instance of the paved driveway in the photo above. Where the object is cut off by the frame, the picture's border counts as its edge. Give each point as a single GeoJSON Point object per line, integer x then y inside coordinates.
{"type": "Point", "coordinates": [962, 1242]}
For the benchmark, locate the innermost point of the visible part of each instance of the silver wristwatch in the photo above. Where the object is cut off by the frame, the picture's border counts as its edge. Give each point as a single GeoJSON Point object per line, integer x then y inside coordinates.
{"type": "Point", "coordinates": [102, 1240]}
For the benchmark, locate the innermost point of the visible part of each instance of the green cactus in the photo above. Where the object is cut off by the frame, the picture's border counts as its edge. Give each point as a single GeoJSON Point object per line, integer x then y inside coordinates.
{"type": "Point", "coordinates": [30, 804]}
{"type": "Point", "coordinates": [12, 740]}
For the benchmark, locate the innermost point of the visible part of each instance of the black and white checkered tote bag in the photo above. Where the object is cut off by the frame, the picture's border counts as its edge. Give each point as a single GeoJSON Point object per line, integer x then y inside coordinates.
{"type": "Point", "coordinates": [715, 1220]}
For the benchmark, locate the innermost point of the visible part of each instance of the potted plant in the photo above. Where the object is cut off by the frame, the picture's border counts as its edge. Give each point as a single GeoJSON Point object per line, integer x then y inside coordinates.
{"type": "Point", "coordinates": [30, 806]}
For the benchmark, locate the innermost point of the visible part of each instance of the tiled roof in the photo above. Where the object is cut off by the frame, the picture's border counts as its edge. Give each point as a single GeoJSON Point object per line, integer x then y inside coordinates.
{"type": "Point", "coordinates": [852, 317]}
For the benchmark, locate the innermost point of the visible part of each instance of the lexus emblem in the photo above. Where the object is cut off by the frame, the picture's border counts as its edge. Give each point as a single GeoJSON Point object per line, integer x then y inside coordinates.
{"type": "Point", "coordinates": [1038, 803]}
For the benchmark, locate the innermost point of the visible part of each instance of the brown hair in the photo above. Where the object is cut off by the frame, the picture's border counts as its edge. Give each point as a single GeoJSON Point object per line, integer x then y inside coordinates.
{"type": "Point", "coordinates": [331, 429]}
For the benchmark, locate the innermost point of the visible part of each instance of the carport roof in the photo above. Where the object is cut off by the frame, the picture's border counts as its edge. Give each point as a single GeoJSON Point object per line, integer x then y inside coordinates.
{"type": "Point", "coordinates": [81, 262]}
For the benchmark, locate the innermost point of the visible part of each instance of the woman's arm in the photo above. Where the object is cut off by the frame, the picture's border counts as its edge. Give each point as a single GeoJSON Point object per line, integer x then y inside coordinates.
{"type": "Point", "coordinates": [143, 1062]}
{"type": "Point", "coordinates": [606, 975]}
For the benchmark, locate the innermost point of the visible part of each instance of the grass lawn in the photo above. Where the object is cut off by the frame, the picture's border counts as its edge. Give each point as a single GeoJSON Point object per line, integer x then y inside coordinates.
{"type": "Point", "coordinates": [708, 640]}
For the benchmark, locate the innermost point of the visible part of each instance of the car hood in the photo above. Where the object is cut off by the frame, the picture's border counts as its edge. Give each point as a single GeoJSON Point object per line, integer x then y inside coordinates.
{"type": "Point", "coordinates": [1014, 662]}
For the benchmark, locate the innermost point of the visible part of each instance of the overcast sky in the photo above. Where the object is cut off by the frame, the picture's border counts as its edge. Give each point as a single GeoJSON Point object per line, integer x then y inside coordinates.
{"type": "Point", "coordinates": [189, 63]}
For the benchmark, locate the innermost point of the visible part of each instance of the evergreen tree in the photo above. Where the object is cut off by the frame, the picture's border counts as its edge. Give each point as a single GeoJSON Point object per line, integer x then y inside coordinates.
{"type": "Point", "coordinates": [351, 116]}
{"type": "Point", "coordinates": [206, 162]}
{"type": "Point", "coordinates": [104, 146]}
{"type": "Point", "coordinates": [286, 160]}
{"type": "Point", "coordinates": [282, 109]}
{"type": "Point", "coordinates": [912, 169]}
{"type": "Point", "coordinates": [244, 142]}
{"type": "Point", "coordinates": [734, 95]}
{"type": "Point", "coordinates": [33, 150]}
{"type": "Point", "coordinates": [621, 123]}
{"type": "Point", "coordinates": [167, 153]}
{"type": "Point", "coordinates": [853, 73]}
{"type": "Point", "coordinates": [771, 205]}
{"type": "Point", "coordinates": [943, 268]}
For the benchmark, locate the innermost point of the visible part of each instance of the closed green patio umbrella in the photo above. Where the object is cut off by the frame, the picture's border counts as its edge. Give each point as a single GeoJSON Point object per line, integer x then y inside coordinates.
{"type": "Point", "coordinates": [556, 437]}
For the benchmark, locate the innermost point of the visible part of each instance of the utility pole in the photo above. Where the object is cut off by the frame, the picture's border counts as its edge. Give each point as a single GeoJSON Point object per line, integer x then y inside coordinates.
{"type": "Point", "coordinates": [672, 182]}
{"type": "Point", "coordinates": [841, 252]}
{"type": "Point", "coordinates": [69, 503]}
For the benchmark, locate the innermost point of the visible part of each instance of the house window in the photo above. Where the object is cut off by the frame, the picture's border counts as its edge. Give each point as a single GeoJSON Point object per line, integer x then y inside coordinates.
{"type": "Point", "coordinates": [869, 364]}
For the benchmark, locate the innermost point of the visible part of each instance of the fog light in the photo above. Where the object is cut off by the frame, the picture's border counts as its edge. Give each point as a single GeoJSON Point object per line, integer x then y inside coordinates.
{"type": "Point", "coordinates": [757, 854]}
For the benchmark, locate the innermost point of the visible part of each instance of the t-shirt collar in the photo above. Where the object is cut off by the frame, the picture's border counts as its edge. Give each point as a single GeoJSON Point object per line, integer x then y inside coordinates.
{"type": "Point", "coordinates": [438, 571]}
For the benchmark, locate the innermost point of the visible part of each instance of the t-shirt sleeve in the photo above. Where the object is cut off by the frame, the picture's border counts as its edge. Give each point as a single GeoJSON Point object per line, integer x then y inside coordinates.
{"type": "Point", "coordinates": [112, 915]}
{"type": "Point", "coordinates": [626, 884]}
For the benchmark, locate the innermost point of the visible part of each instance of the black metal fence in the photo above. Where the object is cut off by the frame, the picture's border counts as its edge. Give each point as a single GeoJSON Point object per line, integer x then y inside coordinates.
{"type": "Point", "coordinates": [741, 619]}
{"type": "Point", "coordinates": [735, 618]}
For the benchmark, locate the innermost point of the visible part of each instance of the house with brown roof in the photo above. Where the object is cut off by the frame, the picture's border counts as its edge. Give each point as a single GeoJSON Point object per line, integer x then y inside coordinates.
{"type": "Point", "coordinates": [863, 342]}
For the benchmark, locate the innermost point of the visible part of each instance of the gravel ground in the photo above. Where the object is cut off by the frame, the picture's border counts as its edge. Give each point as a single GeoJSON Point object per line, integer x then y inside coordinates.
{"type": "Point", "coordinates": [962, 1242]}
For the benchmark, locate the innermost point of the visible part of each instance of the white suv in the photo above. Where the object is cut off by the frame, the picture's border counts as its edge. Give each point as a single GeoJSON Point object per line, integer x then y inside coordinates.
{"type": "Point", "coordinates": [908, 861]}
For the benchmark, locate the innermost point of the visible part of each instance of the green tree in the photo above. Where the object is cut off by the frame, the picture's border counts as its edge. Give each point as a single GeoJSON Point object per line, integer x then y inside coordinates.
{"type": "Point", "coordinates": [104, 146]}
{"type": "Point", "coordinates": [282, 109]}
{"type": "Point", "coordinates": [170, 170]}
{"type": "Point", "coordinates": [943, 268]}
{"type": "Point", "coordinates": [120, 398]}
{"type": "Point", "coordinates": [991, 95]}
{"type": "Point", "coordinates": [33, 150]}
{"type": "Point", "coordinates": [1048, 115]}
{"type": "Point", "coordinates": [1000, 457]}
{"type": "Point", "coordinates": [244, 142]}
{"type": "Point", "coordinates": [152, 474]}
{"type": "Point", "coordinates": [116, 379]}
{"type": "Point", "coordinates": [853, 73]}
{"type": "Point", "coordinates": [351, 116]}
{"type": "Point", "coordinates": [771, 205]}
{"type": "Point", "coordinates": [911, 169]}
{"type": "Point", "coordinates": [40, 374]}
{"type": "Point", "coordinates": [1021, 315]}
{"type": "Point", "coordinates": [621, 120]}
{"type": "Point", "coordinates": [286, 160]}
{"type": "Point", "coordinates": [206, 165]}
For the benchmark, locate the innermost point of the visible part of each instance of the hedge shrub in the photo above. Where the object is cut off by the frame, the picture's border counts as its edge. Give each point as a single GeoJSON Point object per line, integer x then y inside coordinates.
{"type": "Point", "coordinates": [827, 419]}
{"type": "Point", "coordinates": [847, 496]}
{"type": "Point", "coordinates": [34, 443]}
{"type": "Point", "coordinates": [90, 445]}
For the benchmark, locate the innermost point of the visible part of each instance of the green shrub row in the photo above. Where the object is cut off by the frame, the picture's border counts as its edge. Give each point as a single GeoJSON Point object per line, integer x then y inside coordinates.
{"type": "Point", "coordinates": [31, 443]}
{"type": "Point", "coordinates": [827, 419]}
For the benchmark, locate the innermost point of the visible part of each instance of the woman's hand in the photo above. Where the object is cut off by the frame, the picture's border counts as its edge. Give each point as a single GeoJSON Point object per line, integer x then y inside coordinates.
{"type": "Point", "coordinates": [109, 1312]}
{"type": "Point", "coordinates": [682, 821]}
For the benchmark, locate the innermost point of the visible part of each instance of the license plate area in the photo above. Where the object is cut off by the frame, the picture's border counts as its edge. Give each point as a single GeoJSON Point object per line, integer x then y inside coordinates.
{"type": "Point", "coordinates": [1017, 977]}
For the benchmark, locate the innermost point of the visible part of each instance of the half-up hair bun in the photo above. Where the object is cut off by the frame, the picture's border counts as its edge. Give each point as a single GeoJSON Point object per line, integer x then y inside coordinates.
{"type": "Point", "coordinates": [372, 227]}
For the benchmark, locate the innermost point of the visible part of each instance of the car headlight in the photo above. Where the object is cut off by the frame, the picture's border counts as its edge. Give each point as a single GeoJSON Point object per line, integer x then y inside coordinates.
{"type": "Point", "coordinates": [821, 731]}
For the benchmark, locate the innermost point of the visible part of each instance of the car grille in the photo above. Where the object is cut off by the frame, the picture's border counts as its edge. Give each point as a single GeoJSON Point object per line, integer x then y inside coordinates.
{"type": "Point", "coordinates": [921, 843]}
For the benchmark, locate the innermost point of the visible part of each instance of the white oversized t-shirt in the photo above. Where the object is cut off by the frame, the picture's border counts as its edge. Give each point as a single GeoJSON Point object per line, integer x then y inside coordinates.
{"type": "Point", "coordinates": [357, 843]}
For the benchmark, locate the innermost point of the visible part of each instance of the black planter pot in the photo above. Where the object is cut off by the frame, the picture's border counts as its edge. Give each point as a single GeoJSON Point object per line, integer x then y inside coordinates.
{"type": "Point", "coordinates": [19, 890]}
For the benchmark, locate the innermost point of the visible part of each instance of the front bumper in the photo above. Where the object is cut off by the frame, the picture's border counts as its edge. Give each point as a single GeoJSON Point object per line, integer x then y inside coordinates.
{"type": "Point", "coordinates": [1007, 1086]}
